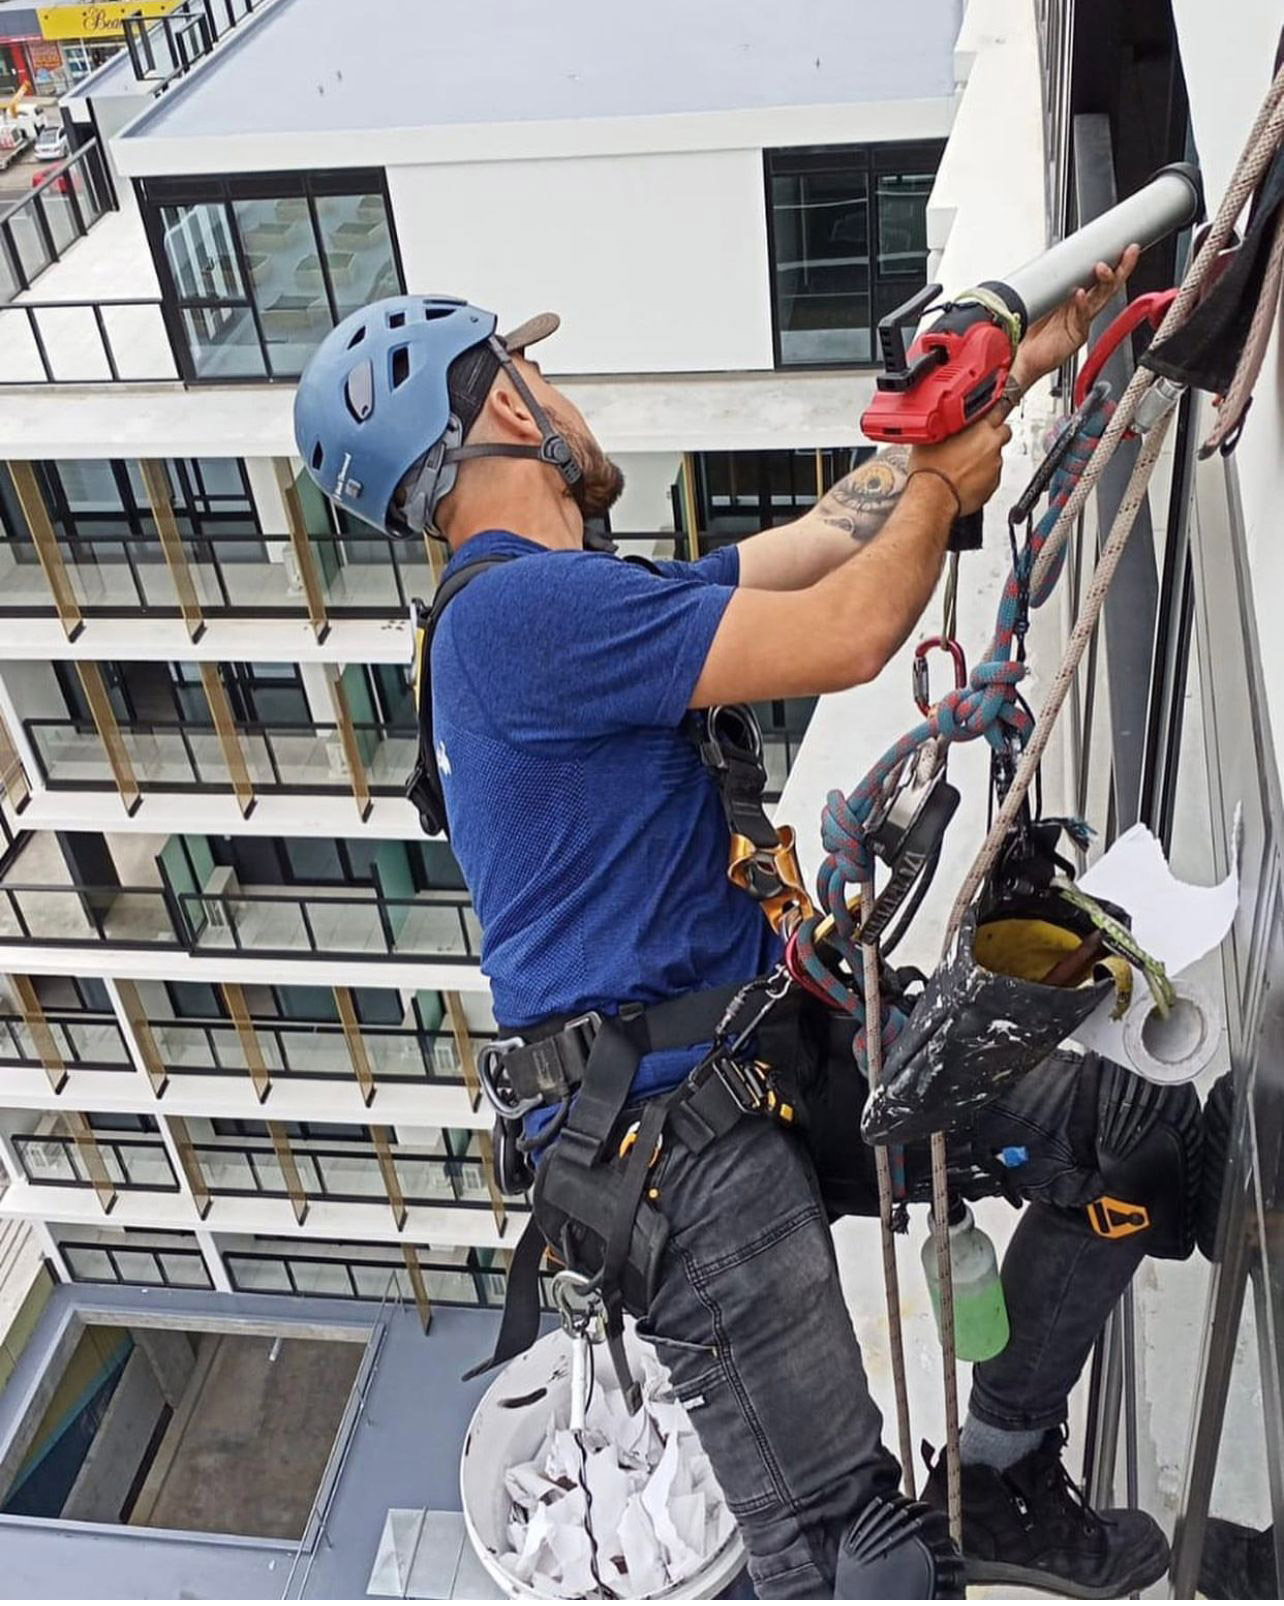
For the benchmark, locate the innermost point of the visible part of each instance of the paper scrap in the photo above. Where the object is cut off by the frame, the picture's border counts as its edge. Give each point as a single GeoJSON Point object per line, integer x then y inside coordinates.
{"type": "Point", "coordinates": [657, 1513]}
{"type": "Point", "coordinates": [1175, 921]}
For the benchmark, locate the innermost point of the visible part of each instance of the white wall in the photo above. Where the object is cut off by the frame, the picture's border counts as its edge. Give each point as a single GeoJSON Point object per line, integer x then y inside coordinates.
{"type": "Point", "coordinates": [658, 263]}
{"type": "Point", "coordinates": [1228, 71]}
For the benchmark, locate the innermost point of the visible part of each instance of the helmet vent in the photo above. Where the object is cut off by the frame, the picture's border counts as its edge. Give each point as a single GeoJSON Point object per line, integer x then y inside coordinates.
{"type": "Point", "coordinates": [358, 392]}
{"type": "Point", "coordinates": [396, 320]}
{"type": "Point", "coordinates": [400, 365]}
{"type": "Point", "coordinates": [358, 337]}
{"type": "Point", "coordinates": [318, 457]}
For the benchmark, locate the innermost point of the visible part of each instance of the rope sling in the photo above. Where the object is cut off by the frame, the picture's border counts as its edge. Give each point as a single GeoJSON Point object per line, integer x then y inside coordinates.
{"type": "Point", "coordinates": [989, 706]}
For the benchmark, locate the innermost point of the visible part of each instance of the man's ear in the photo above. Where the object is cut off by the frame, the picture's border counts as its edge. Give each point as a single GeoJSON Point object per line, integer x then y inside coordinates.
{"type": "Point", "coordinates": [507, 414]}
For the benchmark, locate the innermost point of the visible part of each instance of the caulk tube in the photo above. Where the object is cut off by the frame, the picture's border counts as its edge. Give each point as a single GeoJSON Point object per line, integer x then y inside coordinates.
{"type": "Point", "coordinates": [1169, 202]}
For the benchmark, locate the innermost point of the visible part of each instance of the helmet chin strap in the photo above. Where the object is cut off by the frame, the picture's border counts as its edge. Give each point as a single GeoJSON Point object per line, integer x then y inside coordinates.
{"type": "Point", "coordinates": [553, 449]}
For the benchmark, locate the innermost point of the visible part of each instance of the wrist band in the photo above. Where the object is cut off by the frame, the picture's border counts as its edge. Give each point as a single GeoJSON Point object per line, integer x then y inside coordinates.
{"type": "Point", "coordinates": [945, 480]}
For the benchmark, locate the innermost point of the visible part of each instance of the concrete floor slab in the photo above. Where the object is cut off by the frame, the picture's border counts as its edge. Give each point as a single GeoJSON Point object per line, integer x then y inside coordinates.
{"type": "Point", "coordinates": [254, 1444]}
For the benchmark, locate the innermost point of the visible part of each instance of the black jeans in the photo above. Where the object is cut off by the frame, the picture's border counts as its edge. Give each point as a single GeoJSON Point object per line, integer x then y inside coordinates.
{"type": "Point", "coordinates": [751, 1321]}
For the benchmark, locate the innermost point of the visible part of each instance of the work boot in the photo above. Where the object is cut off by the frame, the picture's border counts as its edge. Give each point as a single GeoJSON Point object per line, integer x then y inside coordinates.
{"type": "Point", "coordinates": [1030, 1526]}
{"type": "Point", "coordinates": [1237, 1563]}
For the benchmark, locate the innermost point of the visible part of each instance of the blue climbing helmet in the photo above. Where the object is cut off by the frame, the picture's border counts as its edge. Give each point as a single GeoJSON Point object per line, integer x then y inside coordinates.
{"type": "Point", "coordinates": [399, 384]}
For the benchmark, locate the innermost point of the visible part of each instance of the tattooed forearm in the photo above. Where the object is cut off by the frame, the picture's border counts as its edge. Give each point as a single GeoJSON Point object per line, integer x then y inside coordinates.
{"type": "Point", "coordinates": [860, 503]}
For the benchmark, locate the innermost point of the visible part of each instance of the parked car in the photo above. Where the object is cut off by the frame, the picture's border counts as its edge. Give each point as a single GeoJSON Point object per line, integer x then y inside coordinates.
{"type": "Point", "coordinates": [51, 143]}
{"type": "Point", "coordinates": [62, 183]}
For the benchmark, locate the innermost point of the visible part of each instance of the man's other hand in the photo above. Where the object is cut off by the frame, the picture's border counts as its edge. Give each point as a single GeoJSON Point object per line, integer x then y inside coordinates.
{"type": "Point", "coordinates": [1056, 338]}
{"type": "Point", "coordinates": [971, 461]}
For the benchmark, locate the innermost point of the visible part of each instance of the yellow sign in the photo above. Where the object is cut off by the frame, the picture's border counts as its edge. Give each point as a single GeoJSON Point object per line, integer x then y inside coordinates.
{"type": "Point", "coordinates": [103, 21]}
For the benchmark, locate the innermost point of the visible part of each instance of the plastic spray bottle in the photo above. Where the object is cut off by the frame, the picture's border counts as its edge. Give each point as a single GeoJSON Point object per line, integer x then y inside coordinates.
{"type": "Point", "coordinates": [980, 1313]}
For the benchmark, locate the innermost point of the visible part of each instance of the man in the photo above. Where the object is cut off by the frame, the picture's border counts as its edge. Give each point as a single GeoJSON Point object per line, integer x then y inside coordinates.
{"type": "Point", "coordinates": [595, 850]}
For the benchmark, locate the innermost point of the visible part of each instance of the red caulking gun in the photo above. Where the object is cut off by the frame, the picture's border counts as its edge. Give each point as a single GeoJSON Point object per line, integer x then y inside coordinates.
{"type": "Point", "coordinates": [956, 369]}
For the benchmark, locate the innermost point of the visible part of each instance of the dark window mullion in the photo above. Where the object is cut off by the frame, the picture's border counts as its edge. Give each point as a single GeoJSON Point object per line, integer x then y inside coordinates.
{"type": "Point", "coordinates": [322, 257]}
{"type": "Point", "coordinates": [247, 282]}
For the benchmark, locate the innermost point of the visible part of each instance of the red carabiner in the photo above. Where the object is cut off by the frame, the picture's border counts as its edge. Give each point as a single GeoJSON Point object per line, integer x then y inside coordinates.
{"type": "Point", "coordinates": [1149, 308]}
{"type": "Point", "coordinates": [796, 973]}
{"type": "Point", "coordinates": [922, 685]}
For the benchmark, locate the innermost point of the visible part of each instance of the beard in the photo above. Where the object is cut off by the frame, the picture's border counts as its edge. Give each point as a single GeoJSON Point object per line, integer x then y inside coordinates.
{"type": "Point", "coordinates": [601, 481]}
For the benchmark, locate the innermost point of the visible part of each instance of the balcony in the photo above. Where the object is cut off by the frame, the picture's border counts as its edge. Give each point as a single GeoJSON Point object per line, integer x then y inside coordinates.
{"type": "Point", "coordinates": [178, 756]}
{"type": "Point", "coordinates": [341, 1173]}
{"type": "Point", "coordinates": [79, 1042]}
{"type": "Point", "coordinates": [39, 228]}
{"type": "Point", "coordinates": [453, 1173]}
{"type": "Point", "coordinates": [313, 1050]}
{"type": "Point", "coordinates": [365, 576]}
{"type": "Point", "coordinates": [121, 1165]}
{"type": "Point", "coordinates": [158, 902]}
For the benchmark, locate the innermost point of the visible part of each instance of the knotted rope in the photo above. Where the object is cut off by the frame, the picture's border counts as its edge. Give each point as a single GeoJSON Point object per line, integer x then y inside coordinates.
{"type": "Point", "coordinates": [987, 707]}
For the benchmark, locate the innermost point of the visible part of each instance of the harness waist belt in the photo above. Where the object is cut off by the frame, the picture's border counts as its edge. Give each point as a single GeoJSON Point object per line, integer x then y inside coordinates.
{"type": "Point", "coordinates": [545, 1064]}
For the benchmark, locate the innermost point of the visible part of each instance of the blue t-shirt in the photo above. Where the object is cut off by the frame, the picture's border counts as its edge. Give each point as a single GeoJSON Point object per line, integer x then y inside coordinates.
{"type": "Point", "coordinates": [590, 835]}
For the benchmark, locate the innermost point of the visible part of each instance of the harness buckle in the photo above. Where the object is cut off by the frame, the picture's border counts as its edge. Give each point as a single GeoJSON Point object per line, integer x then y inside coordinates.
{"type": "Point", "coordinates": [747, 1090]}
{"type": "Point", "coordinates": [490, 1066]}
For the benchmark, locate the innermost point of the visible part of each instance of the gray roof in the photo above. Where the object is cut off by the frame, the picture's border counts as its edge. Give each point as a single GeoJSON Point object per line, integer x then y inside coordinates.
{"type": "Point", "coordinates": [331, 65]}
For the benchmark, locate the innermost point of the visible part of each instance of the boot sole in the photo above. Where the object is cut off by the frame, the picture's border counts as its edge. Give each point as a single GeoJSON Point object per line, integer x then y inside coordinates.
{"type": "Point", "coordinates": [1002, 1572]}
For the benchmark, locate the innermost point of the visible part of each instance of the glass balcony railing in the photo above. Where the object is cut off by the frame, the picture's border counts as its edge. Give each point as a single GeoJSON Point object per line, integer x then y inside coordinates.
{"type": "Point", "coordinates": [349, 1277]}
{"type": "Point", "coordinates": [343, 1174]}
{"type": "Point", "coordinates": [317, 1050]}
{"type": "Point", "coordinates": [140, 1165]}
{"type": "Point", "coordinates": [84, 1042]}
{"type": "Point", "coordinates": [175, 756]}
{"type": "Point", "coordinates": [433, 925]}
{"type": "Point", "coordinates": [436, 925]}
{"type": "Point", "coordinates": [172, 1266]}
{"type": "Point", "coordinates": [363, 576]}
{"type": "Point", "coordinates": [37, 228]}
{"type": "Point", "coordinates": [70, 916]}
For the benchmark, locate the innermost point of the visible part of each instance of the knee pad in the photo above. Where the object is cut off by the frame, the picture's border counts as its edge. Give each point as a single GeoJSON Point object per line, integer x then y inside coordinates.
{"type": "Point", "coordinates": [898, 1549]}
{"type": "Point", "coordinates": [1149, 1143]}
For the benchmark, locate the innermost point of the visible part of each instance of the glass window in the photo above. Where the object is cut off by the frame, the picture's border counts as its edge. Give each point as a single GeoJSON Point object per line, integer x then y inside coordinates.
{"type": "Point", "coordinates": [260, 268]}
{"type": "Point", "coordinates": [313, 859]}
{"type": "Point", "coordinates": [199, 253]}
{"type": "Point", "coordinates": [358, 250]}
{"type": "Point", "coordinates": [88, 1265]}
{"type": "Point", "coordinates": [185, 1271]}
{"type": "Point", "coordinates": [250, 1275]}
{"type": "Point", "coordinates": [849, 244]}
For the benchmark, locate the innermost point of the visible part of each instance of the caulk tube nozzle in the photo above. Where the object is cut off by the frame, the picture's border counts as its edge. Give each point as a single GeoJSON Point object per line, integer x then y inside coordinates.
{"type": "Point", "coordinates": [1169, 202]}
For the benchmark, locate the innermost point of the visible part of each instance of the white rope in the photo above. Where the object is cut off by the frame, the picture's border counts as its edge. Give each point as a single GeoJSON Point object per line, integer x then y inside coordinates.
{"type": "Point", "coordinates": [1260, 148]}
{"type": "Point", "coordinates": [883, 1169]}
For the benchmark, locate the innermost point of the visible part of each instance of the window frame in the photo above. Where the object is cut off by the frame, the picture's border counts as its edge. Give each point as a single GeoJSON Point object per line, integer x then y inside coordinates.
{"type": "Point", "coordinates": [873, 160]}
{"type": "Point", "coordinates": [223, 190]}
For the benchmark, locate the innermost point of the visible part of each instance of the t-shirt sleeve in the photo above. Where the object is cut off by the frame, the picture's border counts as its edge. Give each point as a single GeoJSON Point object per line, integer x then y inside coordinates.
{"type": "Point", "coordinates": [719, 568]}
{"type": "Point", "coordinates": [596, 644]}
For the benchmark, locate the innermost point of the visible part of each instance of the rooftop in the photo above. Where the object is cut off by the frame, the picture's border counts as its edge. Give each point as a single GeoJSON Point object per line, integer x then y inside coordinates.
{"type": "Point", "coordinates": [509, 62]}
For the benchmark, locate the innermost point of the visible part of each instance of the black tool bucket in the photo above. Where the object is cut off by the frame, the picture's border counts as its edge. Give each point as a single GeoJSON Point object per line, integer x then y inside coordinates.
{"type": "Point", "coordinates": [983, 1021]}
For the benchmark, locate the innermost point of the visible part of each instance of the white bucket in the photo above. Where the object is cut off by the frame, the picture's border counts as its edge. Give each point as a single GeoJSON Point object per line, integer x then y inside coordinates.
{"type": "Point", "coordinates": [508, 1427]}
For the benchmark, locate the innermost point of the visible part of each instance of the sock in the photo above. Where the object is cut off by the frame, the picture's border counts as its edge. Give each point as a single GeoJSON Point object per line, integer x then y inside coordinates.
{"type": "Point", "coordinates": [1000, 1448]}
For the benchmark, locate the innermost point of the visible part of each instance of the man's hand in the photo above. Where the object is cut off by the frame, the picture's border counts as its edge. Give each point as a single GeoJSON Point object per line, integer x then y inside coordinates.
{"type": "Point", "coordinates": [1054, 339]}
{"type": "Point", "coordinates": [971, 461]}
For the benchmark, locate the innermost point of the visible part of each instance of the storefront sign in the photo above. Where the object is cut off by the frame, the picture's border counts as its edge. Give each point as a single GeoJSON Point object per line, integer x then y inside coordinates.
{"type": "Point", "coordinates": [44, 57]}
{"type": "Point", "coordinates": [96, 21]}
